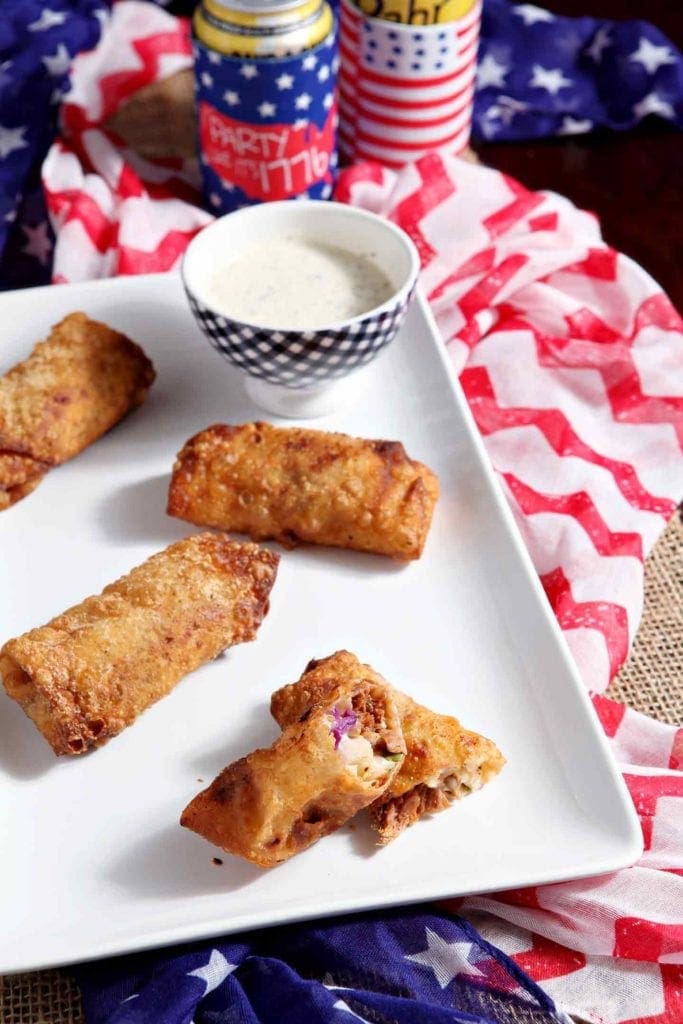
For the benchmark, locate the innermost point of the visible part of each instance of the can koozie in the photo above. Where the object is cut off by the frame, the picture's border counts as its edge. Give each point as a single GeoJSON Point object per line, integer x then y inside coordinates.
{"type": "Point", "coordinates": [405, 90]}
{"type": "Point", "coordinates": [267, 126]}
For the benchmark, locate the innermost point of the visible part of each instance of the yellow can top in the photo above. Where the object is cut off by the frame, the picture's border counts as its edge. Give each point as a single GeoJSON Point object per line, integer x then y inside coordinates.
{"type": "Point", "coordinates": [265, 28]}
{"type": "Point", "coordinates": [416, 12]}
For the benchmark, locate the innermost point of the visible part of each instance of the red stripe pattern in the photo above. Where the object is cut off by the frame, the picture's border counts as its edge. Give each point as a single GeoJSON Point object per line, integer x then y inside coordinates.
{"type": "Point", "coordinates": [112, 211]}
{"type": "Point", "coordinates": [405, 90]}
{"type": "Point", "coordinates": [571, 359]}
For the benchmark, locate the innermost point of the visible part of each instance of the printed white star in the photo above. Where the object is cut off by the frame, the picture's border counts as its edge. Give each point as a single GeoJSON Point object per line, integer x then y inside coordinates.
{"type": "Point", "coordinates": [214, 972]}
{"type": "Point", "coordinates": [249, 70]}
{"type": "Point", "coordinates": [328, 100]}
{"type": "Point", "coordinates": [285, 81]}
{"type": "Point", "coordinates": [303, 101]}
{"type": "Point", "coordinates": [59, 62]}
{"type": "Point", "coordinates": [345, 1008]}
{"type": "Point", "coordinates": [207, 79]}
{"type": "Point", "coordinates": [214, 58]}
{"type": "Point", "coordinates": [308, 63]}
{"type": "Point", "coordinates": [38, 243]}
{"type": "Point", "coordinates": [266, 109]}
{"type": "Point", "coordinates": [532, 14]}
{"type": "Point", "coordinates": [228, 186]}
{"type": "Point", "coordinates": [10, 217]}
{"type": "Point", "coordinates": [574, 126]}
{"type": "Point", "coordinates": [214, 199]}
{"type": "Point", "coordinates": [323, 73]}
{"type": "Point", "coordinates": [446, 959]}
{"type": "Point", "coordinates": [490, 72]}
{"type": "Point", "coordinates": [651, 56]}
{"type": "Point", "coordinates": [653, 104]}
{"type": "Point", "coordinates": [550, 79]}
{"type": "Point", "coordinates": [11, 139]}
{"type": "Point", "coordinates": [601, 40]}
{"type": "Point", "coordinates": [47, 19]}
{"type": "Point", "coordinates": [300, 122]}
{"type": "Point", "coordinates": [231, 98]}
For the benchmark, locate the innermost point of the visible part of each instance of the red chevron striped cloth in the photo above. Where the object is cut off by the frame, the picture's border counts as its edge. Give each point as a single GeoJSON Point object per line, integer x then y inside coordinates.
{"type": "Point", "coordinates": [571, 358]}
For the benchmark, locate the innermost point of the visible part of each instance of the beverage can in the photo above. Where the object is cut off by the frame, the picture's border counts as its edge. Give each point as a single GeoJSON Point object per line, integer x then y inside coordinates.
{"type": "Point", "coordinates": [265, 76]}
{"type": "Point", "coordinates": [262, 28]}
{"type": "Point", "coordinates": [405, 90]}
{"type": "Point", "coordinates": [416, 12]}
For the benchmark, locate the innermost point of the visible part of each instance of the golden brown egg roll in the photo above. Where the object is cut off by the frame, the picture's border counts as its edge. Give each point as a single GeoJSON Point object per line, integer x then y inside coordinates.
{"type": "Point", "coordinates": [14, 492]}
{"type": "Point", "coordinates": [444, 761]}
{"type": "Point", "coordinates": [292, 485]}
{"type": "Point", "coordinates": [71, 389]}
{"type": "Point", "coordinates": [320, 772]}
{"type": "Point", "coordinates": [91, 671]}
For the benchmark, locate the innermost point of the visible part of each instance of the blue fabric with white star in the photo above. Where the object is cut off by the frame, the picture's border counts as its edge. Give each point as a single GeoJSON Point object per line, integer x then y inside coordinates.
{"type": "Point", "coordinates": [37, 44]}
{"type": "Point", "coordinates": [398, 967]}
{"type": "Point", "coordinates": [540, 74]}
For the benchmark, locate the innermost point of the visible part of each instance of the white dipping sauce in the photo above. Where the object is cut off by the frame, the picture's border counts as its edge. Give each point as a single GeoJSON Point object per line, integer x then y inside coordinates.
{"type": "Point", "coordinates": [298, 283]}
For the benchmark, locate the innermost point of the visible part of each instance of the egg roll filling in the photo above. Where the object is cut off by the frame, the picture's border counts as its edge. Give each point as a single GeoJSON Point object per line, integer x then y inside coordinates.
{"type": "Point", "coordinates": [366, 747]}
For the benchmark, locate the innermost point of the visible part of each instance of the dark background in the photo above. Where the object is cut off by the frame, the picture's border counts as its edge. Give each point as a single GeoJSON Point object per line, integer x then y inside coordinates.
{"type": "Point", "coordinates": [632, 180]}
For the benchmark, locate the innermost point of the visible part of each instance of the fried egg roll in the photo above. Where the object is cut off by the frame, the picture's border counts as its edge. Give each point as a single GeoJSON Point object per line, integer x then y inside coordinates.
{"type": "Point", "coordinates": [274, 803]}
{"type": "Point", "coordinates": [71, 389]}
{"type": "Point", "coordinates": [292, 485]}
{"type": "Point", "coordinates": [91, 671]}
{"type": "Point", "coordinates": [443, 762]}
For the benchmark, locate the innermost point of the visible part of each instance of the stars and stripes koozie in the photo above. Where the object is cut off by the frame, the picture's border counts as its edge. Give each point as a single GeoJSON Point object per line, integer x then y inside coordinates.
{"type": "Point", "coordinates": [266, 125]}
{"type": "Point", "coordinates": [405, 89]}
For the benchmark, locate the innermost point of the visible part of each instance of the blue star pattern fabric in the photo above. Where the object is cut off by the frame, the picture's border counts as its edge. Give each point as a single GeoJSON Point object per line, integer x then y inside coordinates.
{"type": "Point", "coordinates": [540, 74]}
{"type": "Point", "coordinates": [37, 44]}
{"type": "Point", "coordinates": [399, 967]}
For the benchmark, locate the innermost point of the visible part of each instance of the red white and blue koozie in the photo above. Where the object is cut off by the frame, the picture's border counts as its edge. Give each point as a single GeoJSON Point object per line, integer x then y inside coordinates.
{"type": "Point", "coordinates": [267, 126]}
{"type": "Point", "coordinates": [405, 90]}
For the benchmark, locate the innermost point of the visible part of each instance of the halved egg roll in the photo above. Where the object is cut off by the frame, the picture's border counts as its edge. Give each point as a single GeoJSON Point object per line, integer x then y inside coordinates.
{"type": "Point", "coordinates": [71, 389]}
{"type": "Point", "coordinates": [443, 762]}
{"type": "Point", "coordinates": [320, 772]}
{"type": "Point", "coordinates": [293, 485]}
{"type": "Point", "coordinates": [91, 671]}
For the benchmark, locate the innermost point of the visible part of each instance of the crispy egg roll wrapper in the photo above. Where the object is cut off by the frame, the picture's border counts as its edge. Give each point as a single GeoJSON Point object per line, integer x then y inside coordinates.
{"type": "Point", "coordinates": [91, 671]}
{"type": "Point", "coordinates": [443, 762]}
{"type": "Point", "coordinates": [274, 803]}
{"type": "Point", "coordinates": [10, 495]}
{"type": "Point", "coordinates": [289, 484]}
{"type": "Point", "coordinates": [71, 389]}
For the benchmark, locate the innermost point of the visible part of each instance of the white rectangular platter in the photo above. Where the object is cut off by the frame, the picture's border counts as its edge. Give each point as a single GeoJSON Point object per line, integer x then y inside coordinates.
{"type": "Point", "coordinates": [92, 859]}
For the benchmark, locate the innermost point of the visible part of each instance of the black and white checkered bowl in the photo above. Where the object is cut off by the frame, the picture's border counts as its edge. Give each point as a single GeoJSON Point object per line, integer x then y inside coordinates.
{"type": "Point", "coordinates": [288, 370]}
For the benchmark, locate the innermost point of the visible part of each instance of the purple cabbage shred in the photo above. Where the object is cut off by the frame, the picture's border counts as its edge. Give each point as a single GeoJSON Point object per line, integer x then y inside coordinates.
{"type": "Point", "coordinates": [344, 721]}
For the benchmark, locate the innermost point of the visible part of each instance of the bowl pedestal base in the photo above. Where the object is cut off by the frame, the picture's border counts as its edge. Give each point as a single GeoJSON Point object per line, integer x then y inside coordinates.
{"type": "Point", "coordinates": [308, 402]}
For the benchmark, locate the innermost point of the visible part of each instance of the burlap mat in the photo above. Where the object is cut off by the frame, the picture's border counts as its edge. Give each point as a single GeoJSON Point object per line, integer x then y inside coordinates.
{"type": "Point", "coordinates": [651, 681]}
